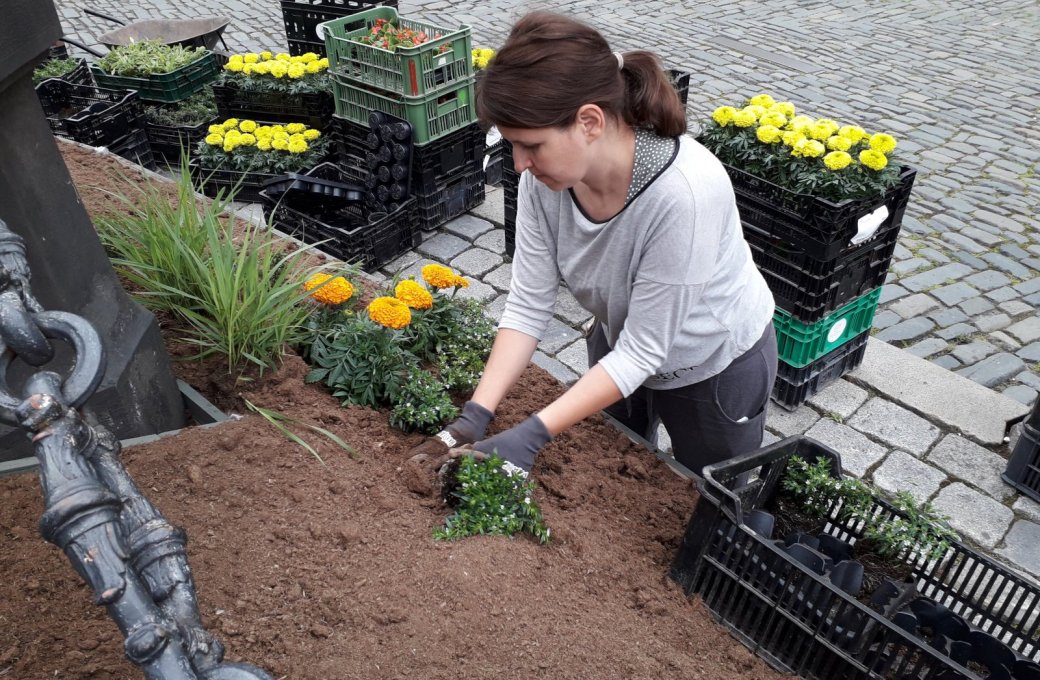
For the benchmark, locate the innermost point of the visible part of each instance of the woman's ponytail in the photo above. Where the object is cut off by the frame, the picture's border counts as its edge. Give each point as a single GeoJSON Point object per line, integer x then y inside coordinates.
{"type": "Point", "coordinates": [650, 99]}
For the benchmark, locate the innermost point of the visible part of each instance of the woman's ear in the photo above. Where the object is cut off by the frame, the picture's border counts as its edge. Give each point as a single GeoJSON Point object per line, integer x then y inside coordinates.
{"type": "Point", "coordinates": [591, 121]}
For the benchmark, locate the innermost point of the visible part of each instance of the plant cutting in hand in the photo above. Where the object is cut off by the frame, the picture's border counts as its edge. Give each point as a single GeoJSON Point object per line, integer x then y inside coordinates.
{"type": "Point", "coordinates": [385, 35]}
{"type": "Point", "coordinates": [820, 156]}
{"type": "Point", "coordinates": [148, 57]}
{"type": "Point", "coordinates": [245, 145]}
{"type": "Point", "coordinates": [269, 72]}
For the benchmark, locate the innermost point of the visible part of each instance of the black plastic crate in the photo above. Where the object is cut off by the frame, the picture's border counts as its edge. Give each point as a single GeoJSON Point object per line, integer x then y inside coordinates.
{"type": "Point", "coordinates": [301, 18]}
{"type": "Point", "coordinates": [1023, 468]}
{"type": "Point", "coordinates": [353, 233]}
{"type": "Point", "coordinates": [247, 185]}
{"type": "Point", "coordinates": [450, 199]}
{"type": "Point", "coordinates": [681, 83]}
{"type": "Point", "coordinates": [168, 140]}
{"type": "Point", "coordinates": [172, 87]}
{"type": "Point", "coordinates": [809, 289]}
{"type": "Point", "coordinates": [310, 108]}
{"type": "Point", "coordinates": [88, 114]}
{"type": "Point", "coordinates": [136, 148]}
{"type": "Point", "coordinates": [819, 227]}
{"type": "Point", "coordinates": [457, 153]}
{"type": "Point", "coordinates": [801, 622]}
{"type": "Point", "coordinates": [794, 385]}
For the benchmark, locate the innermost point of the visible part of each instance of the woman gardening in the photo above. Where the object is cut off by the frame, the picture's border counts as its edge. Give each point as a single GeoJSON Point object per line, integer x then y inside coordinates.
{"type": "Point", "coordinates": [641, 223]}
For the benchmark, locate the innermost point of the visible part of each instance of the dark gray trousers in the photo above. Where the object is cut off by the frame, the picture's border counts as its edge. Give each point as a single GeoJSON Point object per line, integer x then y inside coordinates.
{"type": "Point", "coordinates": [709, 421]}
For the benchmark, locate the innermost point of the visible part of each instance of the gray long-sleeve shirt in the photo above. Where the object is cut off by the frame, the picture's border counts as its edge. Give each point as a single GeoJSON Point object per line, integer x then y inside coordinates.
{"type": "Point", "coordinates": [670, 277]}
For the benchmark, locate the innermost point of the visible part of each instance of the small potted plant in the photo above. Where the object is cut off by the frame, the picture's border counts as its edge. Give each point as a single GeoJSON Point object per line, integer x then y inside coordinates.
{"type": "Point", "coordinates": [158, 72]}
{"type": "Point", "coordinates": [268, 86]}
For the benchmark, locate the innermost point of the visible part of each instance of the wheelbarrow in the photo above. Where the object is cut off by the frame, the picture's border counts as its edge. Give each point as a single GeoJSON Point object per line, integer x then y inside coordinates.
{"type": "Point", "coordinates": [204, 32]}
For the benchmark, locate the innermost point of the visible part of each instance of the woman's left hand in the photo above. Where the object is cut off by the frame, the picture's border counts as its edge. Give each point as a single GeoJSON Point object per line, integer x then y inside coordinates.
{"type": "Point", "coordinates": [517, 446]}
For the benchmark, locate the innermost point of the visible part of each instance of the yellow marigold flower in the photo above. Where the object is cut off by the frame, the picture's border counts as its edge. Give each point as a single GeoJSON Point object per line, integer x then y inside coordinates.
{"type": "Point", "coordinates": [213, 139]}
{"type": "Point", "coordinates": [247, 126]}
{"type": "Point", "coordinates": [337, 291]}
{"type": "Point", "coordinates": [250, 57]}
{"type": "Point", "coordinates": [786, 108]}
{"type": "Point", "coordinates": [297, 137]}
{"type": "Point", "coordinates": [278, 70]}
{"type": "Point", "coordinates": [233, 66]}
{"type": "Point", "coordinates": [247, 140]}
{"type": "Point", "coordinates": [769, 134]}
{"type": "Point", "coordinates": [229, 146]}
{"type": "Point", "coordinates": [439, 276]}
{"type": "Point", "coordinates": [249, 69]}
{"type": "Point", "coordinates": [853, 133]}
{"type": "Point", "coordinates": [756, 109]}
{"type": "Point", "coordinates": [829, 123]}
{"type": "Point", "coordinates": [724, 115]}
{"type": "Point", "coordinates": [279, 144]}
{"type": "Point", "coordinates": [312, 68]}
{"type": "Point", "coordinates": [263, 144]}
{"type": "Point", "coordinates": [282, 56]}
{"type": "Point", "coordinates": [265, 56]}
{"type": "Point", "coordinates": [813, 148]}
{"type": "Point", "coordinates": [882, 142]}
{"type": "Point", "coordinates": [820, 130]}
{"type": "Point", "coordinates": [837, 160]}
{"type": "Point", "coordinates": [774, 118]}
{"type": "Point", "coordinates": [413, 295]}
{"type": "Point", "coordinates": [839, 143]}
{"type": "Point", "coordinates": [233, 134]}
{"type": "Point", "coordinates": [744, 118]}
{"type": "Point", "coordinates": [262, 69]}
{"type": "Point", "coordinates": [231, 123]}
{"type": "Point", "coordinates": [216, 129]}
{"type": "Point", "coordinates": [311, 134]}
{"type": "Point", "coordinates": [308, 57]}
{"type": "Point", "coordinates": [235, 59]}
{"type": "Point", "coordinates": [324, 61]}
{"type": "Point", "coordinates": [297, 146]}
{"type": "Point", "coordinates": [296, 71]}
{"type": "Point", "coordinates": [762, 100]}
{"type": "Point", "coordinates": [295, 128]}
{"type": "Point", "coordinates": [275, 129]}
{"type": "Point", "coordinates": [875, 160]}
{"type": "Point", "coordinates": [800, 124]}
{"type": "Point", "coordinates": [792, 137]}
{"type": "Point", "coordinates": [389, 312]}
{"type": "Point", "coordinates": [263, 132]}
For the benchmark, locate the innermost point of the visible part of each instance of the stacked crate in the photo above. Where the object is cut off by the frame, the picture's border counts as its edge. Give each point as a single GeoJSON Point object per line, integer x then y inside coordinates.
{"type": "Point", "coordinates": [825, 264]}
{"type": "Point", "coordinates": [303, 20]}
{"type": "Point", "coordinates": [431, 88]}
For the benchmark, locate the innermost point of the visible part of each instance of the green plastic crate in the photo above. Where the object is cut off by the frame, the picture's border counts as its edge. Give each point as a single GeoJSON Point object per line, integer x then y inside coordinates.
{"type": "Point", "coordinates": [800, 344]}
{"type": "Point", "coordinates": [433, 66]}
{"type": "Point", "coordinates": [431, 117]}
{"type": "Point", "coordinates": [171, 87]}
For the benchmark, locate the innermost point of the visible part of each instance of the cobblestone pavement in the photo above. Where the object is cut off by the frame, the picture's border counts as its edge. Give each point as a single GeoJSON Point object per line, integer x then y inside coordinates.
{"type": "Point", "coordinates": [957, 83]}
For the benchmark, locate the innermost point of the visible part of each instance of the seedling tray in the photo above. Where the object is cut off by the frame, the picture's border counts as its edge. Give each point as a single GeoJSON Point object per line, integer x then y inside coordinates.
{"type": "Point", "coordinates": [313, 109]}
{"type": "Point", "coordinates": [174, 86]}
{"type": "Point", "coordinates": [87, 114]}
{"type": "Point", "coordinates": [316, 192]}
{"type": "Point", "coordinates": [761, 593]}
{"type": "Point", "coordinates": [422, 70]}
{"type": "Point", "coordinates": [214, 181]}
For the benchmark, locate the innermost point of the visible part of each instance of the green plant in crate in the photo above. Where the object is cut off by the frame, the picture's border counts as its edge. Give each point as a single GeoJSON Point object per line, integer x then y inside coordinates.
{"type": "Point", "coordinates": [247, 146]}
{"type": "Point", "coordinates": [388, 36]}
{"type": "Point", "coordinates": [195, 110]}
{"type": "Point", "coordinates": [234, 286]}
{"type": "Point", "coordinates": [54, 68]}
{"type": "Point", "coordinates": [489, 501]}
{"type": "Point", "coordinates": [804, 155]}
{"type": "Point", "coordinates": [148, 57]}
{"type": "Point", "coordinates": [268, 72]}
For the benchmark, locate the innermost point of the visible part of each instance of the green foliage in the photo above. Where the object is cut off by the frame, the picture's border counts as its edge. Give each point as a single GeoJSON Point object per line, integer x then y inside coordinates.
{"type": "Point", "coordinates": [195, 110]}
{"type": "Point", "coordinates": [54, 68]}
{"type": "Point", "coordinates": [237, 294]}
{"type": "Point", "coordinates": [308, 84]}
{"type": "Point", "coordinates": [148, 57]}
{"type": "Point", "coordinates": [461, 363]}
{"type": "Point", "coordinates": [252, 159]}
{"type": "Point", "coordinates": [362, 362]}
{"type": "Point", "coordinates": [450, 321]}
{"type": "Point", "coordinates": [489, 501]}
{"type": "Point", "coordinates": [422, 404]}
{"type": "Point", "coordinates": [915, 529]}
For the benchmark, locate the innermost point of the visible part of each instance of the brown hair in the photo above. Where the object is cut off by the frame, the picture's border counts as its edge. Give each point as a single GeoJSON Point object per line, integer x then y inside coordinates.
{"type": "Point", "coordinates": [552, 65]}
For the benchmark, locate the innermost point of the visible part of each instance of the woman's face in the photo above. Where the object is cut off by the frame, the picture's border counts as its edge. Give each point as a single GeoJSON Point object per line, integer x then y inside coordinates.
{"type": "Point", "coordinates": [557, 157]}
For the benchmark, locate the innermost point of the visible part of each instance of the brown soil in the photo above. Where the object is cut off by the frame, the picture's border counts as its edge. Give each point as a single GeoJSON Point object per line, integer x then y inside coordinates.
{"type": "Point", "coordinates": [330, 571]}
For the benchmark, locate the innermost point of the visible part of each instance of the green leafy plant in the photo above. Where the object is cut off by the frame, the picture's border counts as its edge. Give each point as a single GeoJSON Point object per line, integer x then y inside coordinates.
{"type": "Point", "coordinates": [461, 362]}
{"type": "Point", "coordinates": [801, 154]}
{"type": "Point", "coordinates": [422, 404]}
{"type": "Point", "coordinates": [362, 362]}
{"type": "Point", "coordinates": [915, 528]}
{"type": "Point", "coordinates": [54, 68]}
{"type": "Point", "coordinates": [266, 72]}
{"type": "Point", "coordinates": [385, 35]}
{"type": "Point", "coordinates": [195, 110]}
{"type": "Point", "coordinates": [236, 290]}
{"type": "Point", "coordinates": [489, 501]}
{"type": "Point", "coordinates": [279, 421]}
{"type": "Point", "coordinates": [143, 58]}
{"type": "Point", "coordinates": [450, 320]}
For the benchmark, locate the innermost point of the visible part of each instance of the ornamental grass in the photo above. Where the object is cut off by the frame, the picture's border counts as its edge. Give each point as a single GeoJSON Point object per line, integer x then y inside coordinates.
{"type": "Point", "coordinates": [805, 155]}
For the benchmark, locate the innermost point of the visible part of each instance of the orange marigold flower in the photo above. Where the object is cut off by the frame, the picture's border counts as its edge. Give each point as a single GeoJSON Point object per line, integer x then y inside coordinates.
{"type": "Point", "coordinates": [390, 312]}
{"type": "Point", "coordinates": [337, 291]}
{"type": "Point", "coordinates": [413, 295]}
{"type": "Point", "coordinates": [439, 276]}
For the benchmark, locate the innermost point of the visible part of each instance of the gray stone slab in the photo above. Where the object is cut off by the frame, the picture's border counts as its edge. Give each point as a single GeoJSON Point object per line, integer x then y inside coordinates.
{"type": "Point", "coordinates": [944, 397]}
{"type": "Point", "coordinates": [973, 464]}
{"type": "Point", "coordinates": [1020, 546]}
{"type": "Point", "coordinates": [918, 304]}
{"type": "Point", "coordinates": [890, 292]}
{"type": "Point", "coordinates": [496, 307]}
{"type": "Point", "coordinates": [946, 361]}
{"type": "Point", "coordinates": [973, 514]}
{"type": "Point", "coordinates": [902, 472]}
{"type": "Point", "coordinates": [936, 277]}
{"type": "Point", "coordinates": [974, 306]}
{"type": "Point", "coordinates": [1002, 294]}
{"type": "Point", "coordinates": [467, 226]}
{"type": "Point", "coordinates": [957, 330]}
{"type": "Point", "coordinates": [1006, 264]}
{"type": "Point", "coordinates": [494, 240]}
{"type": "Point", "coordinates": [948, 317]}
{"type": "Point", "coordinates": [988, 323]}
{"type": "Point", "coordinates": [1015, 308]}
{"type": "Point", "coordinates": [1030, 379]}
{"type": "Point", "coordinates": [981, 236]}
{"type": "Point", "coordinates": [443, 247]}
{"type": "Point", "coordinates": [987, 280]}
{"type": "Point", "coordinates": [909, 266]}
{"type": "Point", "coordinates": [895, 425]}
{"type": "Point", "coordinates": [476, 262]}
{"type": "Point", "coordinates": [954, 293]}
{"type": "Point", "coordinates": [858, 453]}
{"type": "Point", "coordinates": [993, 370]}
{"type": "Point", "coordinates": [886, 319]}
{"type": "Point", "coordinates": [555, 368]}
{"type": "Point", "coordinates": [928, 347]}
{"type": "Point", "coordinates": [789, 423]}
{"type": "Point", "coordinates": [493, 208]}
{"type": "Point", "coordinates": [1029, 287]}
{"type": "Point", "coordinates": [1021, 393]}
{"type": "Point", "coordinates": [1027, 508]}
{"type": "Point", "coordinates": [1030, 352]}
{"type": "Point", "coordinates": [569, 309]}
{"type": "Point", "coordinates": [557, 336]}
{"type": "Point", "coordinates": [1026, 330]}
{"type": "Point", "coordinates": [841, 399]}
{"type": "Point", "coordinates": [911, 329]}
{"type": "Point", "coordinates": [575, 356]}
{"type": "Point", "coordinates": [973, 352]}
{"type": "Point", "coordinates": [500, 277]}
{"type": "Point", "coordinates": [477, 290]}
{"type": "Point", "coordinates": [1005, 341]}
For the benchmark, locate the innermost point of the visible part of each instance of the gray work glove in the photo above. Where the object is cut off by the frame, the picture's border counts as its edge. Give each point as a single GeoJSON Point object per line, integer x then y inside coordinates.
{"type": "Point", "coordinates": [469, 428]}
{"type": "Point", "coordinates": [517, 446]}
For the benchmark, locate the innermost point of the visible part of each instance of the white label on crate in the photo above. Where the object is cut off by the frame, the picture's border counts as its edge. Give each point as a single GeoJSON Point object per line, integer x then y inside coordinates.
{"type": "Point", "coordinates": [443, 60]}
{"type": "Point", "coordinates": [868, 224]}
{"type": "Point", "coordinates": [836, 330]}
{"type": "Point", "coordinates": [320, 31]}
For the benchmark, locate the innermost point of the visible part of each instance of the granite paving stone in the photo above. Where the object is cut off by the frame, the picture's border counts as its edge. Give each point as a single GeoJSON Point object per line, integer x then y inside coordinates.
{"type": "Point", "coordinates": [1030, 352]}
{"type": "Point", "coordinates": [1029, 379]}
{"type": "Point", "coordinates": [885, 319]}
{"type": "Point", "coordinates": [895, 425]}
{"type": "Point", "coordinates": [948, 362]}
{"type": "Point", "coordinates": [918, 304]}
{"type": "Point", "coordinates": [1021, 393]}
{"type": "Point", "coordinates": [957, 330]}
{"type": "Point", "coordinates": [555, 368]}
{"type": "Point", "coordinates": [973, 514]}
{"type": "Point", "coordinates": [1002, 294]}
{"type": "Point", "coordinates": [977, 305]}
{"type": "Point", "coordinates": [1028, 287]}
{"type": "Point", "coordinates": [973, 464]}
{"type": "Point", "coordinates": [987, 280]}
{"type": "Point", "coordinates": [468, 227]}
{"type": "Point", "coordinates": [557, 336]}
{"type": "Point", "coordinates": [1005, 341]}
{"type": "Point", "coordinates": [1026, 330]}
{"type": "Point", "coordinates": [928, 347]}
{"type": "Point", "coordinates": [477, 290]}
{"type": "Point", "coordinates": [841, 398]}
{"type": "Point", "coordinates": [569, 309]}
{"type": "Point", "coordinates": [789, 423]}
{"type": "Point", "coordinates": [443, 247]}
{"type": "Point", "coordinates": [500, 276]}
{"type": "Point", "coordinates": [575, 356]}
{"type": "Point", "coordinates": [972, 352]}
{"type": "Point", "coordinates": [948, 317]}
{"type": "Point", "coordinates": [954, 293]}
{"type": "Point", "coordinates": [494, 240]}
{"type": "Point", "coordinates": [476, 262]}
{"type": "Point", "coordinates": [496, 307]}
{"type": "Point", "coordinates": [902, 472]}
{"type": "Point", "coordinates": [911, 329]}
{"type": "Point", "coordinates": [936, 277]}
{"type": "Point", "coordinates": [1006, 264]}
{"type": "Point", "coordinates": [858, 453]}
{"type": "Point", "coordinates": [993, 370]}
{"type": "Point", "coordinates": [890, 292]}
{"type": "Point", "coordinates": [988, 323]}
{"type": "Point", "coordinates": [1027, 508]}
{"type": "Point", "coordinates": [1015, 308]}
{"type": "Point", "coordinates": [1020, 546]}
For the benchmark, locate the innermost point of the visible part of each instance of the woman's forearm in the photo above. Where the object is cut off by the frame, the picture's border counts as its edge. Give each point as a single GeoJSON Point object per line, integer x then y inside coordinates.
{"type": "Point", "coordinates": [591, 394]}
{"type": "Point", "coordinates": [510, 354]}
